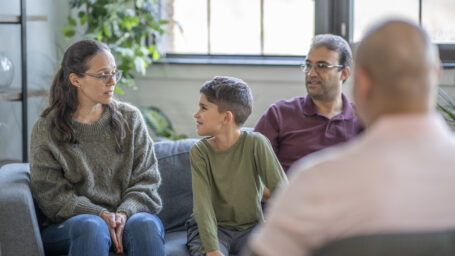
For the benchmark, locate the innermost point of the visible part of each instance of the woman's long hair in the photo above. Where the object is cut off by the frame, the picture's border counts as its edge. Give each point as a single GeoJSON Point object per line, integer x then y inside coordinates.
{"type": "Point", "coordinates": [63, 95]}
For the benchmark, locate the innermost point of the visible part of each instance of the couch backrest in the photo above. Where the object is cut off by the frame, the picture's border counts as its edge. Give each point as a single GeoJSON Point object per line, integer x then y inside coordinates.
{"type": "Point", "coordinates": [441, 243]}
{"type": "Point", "coordinates": [175, 190]}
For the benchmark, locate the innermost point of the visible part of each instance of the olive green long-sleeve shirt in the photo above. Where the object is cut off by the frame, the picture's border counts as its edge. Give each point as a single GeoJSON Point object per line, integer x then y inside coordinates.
{"type": "Point", "coordinates": [228, 184]}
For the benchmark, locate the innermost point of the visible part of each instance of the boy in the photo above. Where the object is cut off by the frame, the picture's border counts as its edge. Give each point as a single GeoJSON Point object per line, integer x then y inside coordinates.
{"type": "Point", "coordinates": [229, 170]}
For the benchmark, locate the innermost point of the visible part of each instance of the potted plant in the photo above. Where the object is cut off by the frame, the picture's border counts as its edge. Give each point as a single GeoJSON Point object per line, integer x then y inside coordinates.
{"type": "Point", "coordinates": [446, 105]}
{"type": "Point", "coordinates": [129, 27]}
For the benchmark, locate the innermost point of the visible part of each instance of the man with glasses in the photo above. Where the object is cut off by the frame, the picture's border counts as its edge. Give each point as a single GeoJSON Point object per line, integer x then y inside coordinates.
{"type": "Point", "coordinates": [325, 117]}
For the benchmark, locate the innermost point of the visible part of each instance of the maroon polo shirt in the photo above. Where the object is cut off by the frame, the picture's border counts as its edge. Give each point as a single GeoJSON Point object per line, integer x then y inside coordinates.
{"type": "Point", "coordinates": [296, 129]}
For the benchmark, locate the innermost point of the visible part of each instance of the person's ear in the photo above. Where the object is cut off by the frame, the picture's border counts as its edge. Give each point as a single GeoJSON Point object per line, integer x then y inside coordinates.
{"type": "Point", "coordinates": [228, 117]}
{"type": "Point", "coordinates": [75, 80]}
{"type": "Point", "coordinates": [363, 87]}
{"type": "Point", "coordinates": [345, 72]}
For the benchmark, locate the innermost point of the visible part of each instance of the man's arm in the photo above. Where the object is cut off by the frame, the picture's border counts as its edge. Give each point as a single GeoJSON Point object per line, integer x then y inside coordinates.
{"type": "Point", "coordinates": [268, 125]}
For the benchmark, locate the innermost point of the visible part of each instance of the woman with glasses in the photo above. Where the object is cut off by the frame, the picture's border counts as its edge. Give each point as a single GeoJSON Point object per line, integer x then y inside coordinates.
{"type": "Point", "coordinates": [94, 173]}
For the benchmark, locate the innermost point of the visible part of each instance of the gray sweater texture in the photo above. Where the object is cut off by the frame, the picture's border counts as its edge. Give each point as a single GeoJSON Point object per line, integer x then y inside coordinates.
{"type": "Point", "coordinates": [89, 177]}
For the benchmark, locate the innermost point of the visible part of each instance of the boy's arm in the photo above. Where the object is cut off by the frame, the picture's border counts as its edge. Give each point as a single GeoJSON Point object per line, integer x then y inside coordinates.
{"type": "Point", "coordinates": [269, 168]}
{"type": "Point", "coordinates": [203, 208]}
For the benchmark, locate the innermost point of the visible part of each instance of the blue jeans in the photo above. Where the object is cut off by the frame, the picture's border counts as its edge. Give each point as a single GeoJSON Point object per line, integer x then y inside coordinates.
{"type": "Point", "coordinates": [88, 235]}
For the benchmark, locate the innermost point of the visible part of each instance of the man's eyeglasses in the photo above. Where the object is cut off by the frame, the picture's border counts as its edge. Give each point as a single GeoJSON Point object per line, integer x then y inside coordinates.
{"type": "Point", "coordinates": [318, 67]}
{"type": "Point", "coordinates": [105, 78]}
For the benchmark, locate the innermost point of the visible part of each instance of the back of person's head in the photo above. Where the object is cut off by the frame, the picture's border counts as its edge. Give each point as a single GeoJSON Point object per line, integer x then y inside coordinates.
{"type": "Point", "coordinates": [230, 94]}
{"type": "Point", "coordinates": [402, 65]}
{"type": "Point", "coordinates": [337, 44]}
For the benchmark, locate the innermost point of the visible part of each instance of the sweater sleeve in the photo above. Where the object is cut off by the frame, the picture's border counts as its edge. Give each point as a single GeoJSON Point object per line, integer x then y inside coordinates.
{"type": "Point", "coordinates": [55, 195]}
{"type": "Point", "coordinates": [203, 208]}
{"type": "Point", "coordinates": [142, 192]}
{"type": "Point", "coordinates": [269, 168]}
{"type": "Point", "coordinates": [268, 125]}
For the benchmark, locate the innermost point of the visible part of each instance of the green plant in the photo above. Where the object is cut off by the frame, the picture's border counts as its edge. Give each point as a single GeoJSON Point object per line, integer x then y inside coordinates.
{"type": "Point", "coordinates": [159, 124]}
{"type": "Point", "coordinates": [446, 104]}
{"type": "Point", "coordinates": [129, 27]}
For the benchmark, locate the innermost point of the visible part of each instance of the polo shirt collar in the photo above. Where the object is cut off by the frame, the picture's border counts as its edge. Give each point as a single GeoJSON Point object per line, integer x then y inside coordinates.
{"type": "Point", "coordinates": [309, 108]}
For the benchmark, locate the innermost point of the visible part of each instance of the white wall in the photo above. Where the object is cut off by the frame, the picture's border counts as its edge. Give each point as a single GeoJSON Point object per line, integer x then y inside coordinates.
{"type": "Point", "coordinates": [175, 88]}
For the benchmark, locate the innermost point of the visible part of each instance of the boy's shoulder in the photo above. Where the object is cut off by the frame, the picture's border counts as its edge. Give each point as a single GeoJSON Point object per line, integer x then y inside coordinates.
{"type": "Point", "coordinates": [257, 137]}
{"type": "Point", "coordinates": [247, 138]}
{"type": "Point", "coordinates": [200, 146]}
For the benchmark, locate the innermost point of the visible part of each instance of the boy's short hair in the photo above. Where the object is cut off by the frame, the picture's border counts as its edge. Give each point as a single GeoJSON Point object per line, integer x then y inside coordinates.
{"type": "Point", "coordinates": [230, 94]}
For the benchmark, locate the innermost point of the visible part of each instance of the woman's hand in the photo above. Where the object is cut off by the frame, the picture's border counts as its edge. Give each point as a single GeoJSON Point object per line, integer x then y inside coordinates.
{"type": "Point", "coordinates": [110, 219]}
{"type": "Point", "coordinates": [214, 253]}
{"type": "Point", "coordinates": [120, 219]}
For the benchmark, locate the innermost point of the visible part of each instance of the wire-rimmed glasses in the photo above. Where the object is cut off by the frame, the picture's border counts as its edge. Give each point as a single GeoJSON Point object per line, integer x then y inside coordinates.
{"type": "Point", "coordinates": [318, 67]}
{"type": "Point", "coordinates": [117, 75]}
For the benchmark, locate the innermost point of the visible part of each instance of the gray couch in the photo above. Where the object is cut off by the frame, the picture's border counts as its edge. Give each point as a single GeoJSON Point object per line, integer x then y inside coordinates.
{"type": "Point", "coordinates": [441, 243]}
{"type": "Point", "coordinates": [19, 230]}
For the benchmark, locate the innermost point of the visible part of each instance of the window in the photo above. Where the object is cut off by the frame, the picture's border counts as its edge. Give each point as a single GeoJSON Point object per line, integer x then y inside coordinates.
{"type": "Point", "coordinates": [439, 20]}
{"type": "Point", "coordinates": [367, 12]}
{"type": "Point", "coordinates": [239, 27]}
{"type": "Point", "coordinates": [436, 16]}
{"type": "Point", "coordinates": [226, 30]}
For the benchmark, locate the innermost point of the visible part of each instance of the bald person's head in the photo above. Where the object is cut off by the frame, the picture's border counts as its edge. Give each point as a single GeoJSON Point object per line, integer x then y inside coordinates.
{"type": "Point", "coordinates": [396, 71]}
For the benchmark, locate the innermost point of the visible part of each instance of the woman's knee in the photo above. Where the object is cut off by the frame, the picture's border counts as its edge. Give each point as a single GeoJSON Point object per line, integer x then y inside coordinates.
{"type": "Point", "coordinates": [145, 223]}
{"type": "Point", "coordinates": [91, 226]}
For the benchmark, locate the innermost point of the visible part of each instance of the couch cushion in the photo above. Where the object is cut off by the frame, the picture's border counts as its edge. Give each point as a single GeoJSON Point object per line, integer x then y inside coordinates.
{"type": "Point", "coordinates": [19, 228]}
{"type": "Point", "coordinates": [175, 190]}
{"type": "Point", "coordinates": [176, 244]}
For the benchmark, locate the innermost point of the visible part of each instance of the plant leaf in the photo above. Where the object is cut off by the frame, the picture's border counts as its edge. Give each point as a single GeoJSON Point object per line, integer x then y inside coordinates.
{"type": "Point", "coordinates": [68, 31]}
{"type": "Point", "coordinates": [119, 90]}
{"type": "Point", "coordinates": [107, 31]}
{"type": "Point", "coordinates": [72, 21]}
{"type": "Point", "coordinates": [124, 25]}
{"type": "Point", "coordinates": [139, 63]}
{"type": "Point", "coordinates": [82, 18]}
{"type": "Point", "coordinates": [155, 55]}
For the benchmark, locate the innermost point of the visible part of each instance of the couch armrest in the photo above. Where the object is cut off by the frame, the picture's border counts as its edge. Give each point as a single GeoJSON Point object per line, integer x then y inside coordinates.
{"type": "Point", "coordinates": [20, 234]}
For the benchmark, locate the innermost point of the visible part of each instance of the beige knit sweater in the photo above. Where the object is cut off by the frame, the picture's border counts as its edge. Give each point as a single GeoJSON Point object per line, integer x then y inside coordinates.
{"type": "Point", "coordinates": [90, 177]}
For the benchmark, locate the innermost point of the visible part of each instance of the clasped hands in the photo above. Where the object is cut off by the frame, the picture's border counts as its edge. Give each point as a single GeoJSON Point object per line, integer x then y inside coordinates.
{"type": "Point", "coordinates": [116, 224]}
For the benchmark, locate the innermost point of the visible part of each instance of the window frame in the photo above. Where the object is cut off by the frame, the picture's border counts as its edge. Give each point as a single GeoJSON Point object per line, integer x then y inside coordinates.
{"type": "Point", "coordinates": [446, 51]}
{"type": "Point", "coordinates": [331, 16]}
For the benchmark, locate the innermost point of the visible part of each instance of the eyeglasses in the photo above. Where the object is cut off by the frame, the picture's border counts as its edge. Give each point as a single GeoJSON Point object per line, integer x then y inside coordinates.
{"type": "Point", "coordinates": [319, 67]}
{"type": "Point", "coordinates": [105, 78]}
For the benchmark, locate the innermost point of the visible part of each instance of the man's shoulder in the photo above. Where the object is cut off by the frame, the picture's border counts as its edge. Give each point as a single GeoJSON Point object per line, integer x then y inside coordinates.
{"type": "Point", "coordinates": [289, 103]}
{"type": "Point", "coordinates": [287, 107]}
